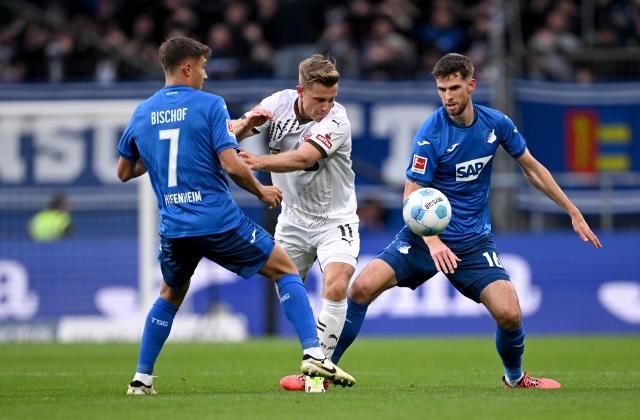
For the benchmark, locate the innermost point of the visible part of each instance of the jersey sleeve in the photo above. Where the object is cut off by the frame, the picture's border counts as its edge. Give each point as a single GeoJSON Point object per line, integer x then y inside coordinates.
{"type": "Point", "coordinates": [222, 133]}
{"type": "Point", "coordinates": [329, 135]}
{"type": "Point", "coordinates": [511, 139]}
{"type": "Point", "coordinates": [127, 147]}
{"type": "Point", "coordinates": [424, 158]}
{"type": "Point", "coordinates": [268, 103]}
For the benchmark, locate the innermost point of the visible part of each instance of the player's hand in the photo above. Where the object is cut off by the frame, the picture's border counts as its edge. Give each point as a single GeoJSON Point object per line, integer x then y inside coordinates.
{"type": "Point", "coordinates": [584, 231]}
{"type": "Point", "coordinates": [258, 116]}
{"type": "Point", "coordinates": [271, 196]}
{"type": "Point", "coordinates": [251, 160]}
{"type": "Point", "coordinates": [445, 260]}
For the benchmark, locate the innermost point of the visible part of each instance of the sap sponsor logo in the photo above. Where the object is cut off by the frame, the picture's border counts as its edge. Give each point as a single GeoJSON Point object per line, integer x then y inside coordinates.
{"type": "Point", "coordinates": [16, 301]}
{"type": "Point", "coordinates": [470, 170]}
{"type": "Point", "coordinates": [419, 164]}
{"type": "Point", "coordinates": [159, 322]}
{"type": "Point", "coordinates": [230, 129]}
{"type": "Point", "coordinates": [325, 139]}
{"type": "Point", "coordinates": [622, 300]}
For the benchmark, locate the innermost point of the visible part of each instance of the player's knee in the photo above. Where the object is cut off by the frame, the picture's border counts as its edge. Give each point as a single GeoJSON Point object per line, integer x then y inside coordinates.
{"type": "Point", "coordinates": [359, 293]}
{"type": "Point", "coordinates": [509, 317]}
{"type": "Point", "coordinates": [278, 265]}
{"type": "Point", "coordinates": [335, 290]}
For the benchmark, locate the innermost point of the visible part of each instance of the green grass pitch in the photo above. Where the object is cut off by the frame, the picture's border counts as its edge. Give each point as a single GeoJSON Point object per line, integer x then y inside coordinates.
{"type": "Point", "coordinates": [397, 378]}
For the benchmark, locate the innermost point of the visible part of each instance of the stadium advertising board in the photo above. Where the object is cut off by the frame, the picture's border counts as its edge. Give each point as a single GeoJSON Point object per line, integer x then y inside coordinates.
{"type": "Point", "coordinates": [565, 286]}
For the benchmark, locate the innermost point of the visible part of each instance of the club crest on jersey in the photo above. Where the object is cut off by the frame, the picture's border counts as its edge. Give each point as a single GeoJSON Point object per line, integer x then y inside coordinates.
{"type": "Point", "coordinates": [490, 135]}
{"type": "Point", "coordinates": [230, 128]}
{"type": "Point", "coordinates": [419, 164]}
{"type": "Point", "coordinates": [470, 170]}
{"type": "Point", "coordinates": [326, 140]}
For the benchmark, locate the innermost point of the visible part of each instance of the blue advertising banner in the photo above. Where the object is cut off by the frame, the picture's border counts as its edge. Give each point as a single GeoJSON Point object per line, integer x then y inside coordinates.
{"type": "Point", "coordinates": [565, 286]}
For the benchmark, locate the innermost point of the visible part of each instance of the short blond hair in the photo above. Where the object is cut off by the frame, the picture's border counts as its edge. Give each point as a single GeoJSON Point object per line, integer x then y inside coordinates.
{"type": "Point", "coordinates": [318, 68]}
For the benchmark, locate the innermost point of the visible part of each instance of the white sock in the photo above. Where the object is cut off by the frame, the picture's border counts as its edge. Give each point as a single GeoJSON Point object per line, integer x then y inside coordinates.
{"type": "Point", "coordinates": [512, 383]}
{"type": "Point", "coordinates": [330, 323]}
{"type": "Point", "coordinates": [315, 352]}
{"type": "Point", "coordinates": [144, 378]}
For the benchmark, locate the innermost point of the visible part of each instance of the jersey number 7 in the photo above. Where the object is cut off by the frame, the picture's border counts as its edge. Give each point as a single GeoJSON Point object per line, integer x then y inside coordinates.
{"type": "Point", "coordinates": [172, 135]}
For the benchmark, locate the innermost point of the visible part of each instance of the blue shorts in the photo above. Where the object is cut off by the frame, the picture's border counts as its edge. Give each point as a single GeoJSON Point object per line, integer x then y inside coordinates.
{"type": "Point", "coordinates": [409, 257]}
{"type": "Point", "coordinates": [243, 250]}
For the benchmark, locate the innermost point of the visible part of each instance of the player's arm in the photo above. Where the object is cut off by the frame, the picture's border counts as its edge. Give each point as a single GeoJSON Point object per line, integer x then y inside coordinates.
{"type": "Point", "coordinates": [128, 169]}
{"type": "Point", "coordinates": [444, 259]}
{"type": "Point", "coordinates": [304, 156]}
{"type": "Point", "coordinates": [241, 175]}
{"type": "Point", "coordinates": [541, 178]}
{"type": "Point", "coordinates": [246, 125]}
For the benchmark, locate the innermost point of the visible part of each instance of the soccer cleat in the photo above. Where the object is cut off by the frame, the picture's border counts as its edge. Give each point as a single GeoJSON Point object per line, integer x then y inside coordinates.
{"type": "Point", "coordinates": [139, 388]}
{"type": "Point", "coordinates": [296, 383]}
{"type": "Point", "coordinates": [530, 382]}
{"type": "Point", "coordinates": [325, 368]}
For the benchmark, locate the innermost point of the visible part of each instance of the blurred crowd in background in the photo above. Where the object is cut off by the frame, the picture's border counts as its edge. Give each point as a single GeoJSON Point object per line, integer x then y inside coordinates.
{"type": "Point", "coordinates": [116, 40]}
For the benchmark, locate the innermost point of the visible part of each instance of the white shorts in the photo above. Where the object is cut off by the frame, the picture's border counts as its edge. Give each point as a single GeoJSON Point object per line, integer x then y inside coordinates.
{"type": "Point", "coordinates": [331, 243]}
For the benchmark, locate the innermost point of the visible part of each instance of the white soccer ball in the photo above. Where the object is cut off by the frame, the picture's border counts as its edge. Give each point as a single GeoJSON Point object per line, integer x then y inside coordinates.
{"type": "Point", "coordinates": [427, 212]}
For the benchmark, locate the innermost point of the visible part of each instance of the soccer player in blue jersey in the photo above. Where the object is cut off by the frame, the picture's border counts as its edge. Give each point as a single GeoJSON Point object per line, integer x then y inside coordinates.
{"type": "Point", "coordinates": [453, 152]}
{"type": "Point", "coordinates": [184, 138]}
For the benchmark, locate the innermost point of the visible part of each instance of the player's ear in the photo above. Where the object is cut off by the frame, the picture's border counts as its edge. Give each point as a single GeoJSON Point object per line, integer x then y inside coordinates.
{"type": "Point", "coordinates": [186, 68]}
{"type": "Point", "coordinates": [472, 85]}
{"type": "Point", "coordinates": [299, 90]}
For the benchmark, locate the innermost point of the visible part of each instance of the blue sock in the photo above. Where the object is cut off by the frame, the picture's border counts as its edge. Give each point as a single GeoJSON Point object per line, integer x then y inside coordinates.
{"type": "Point", "coordinates": [156, 330]}
{"type": "Point", "coordinates": [295, 302]}
{"type": "Point", "coordinates": [510, 346]}
{"type": "Point", "coordinates": [355, 317]}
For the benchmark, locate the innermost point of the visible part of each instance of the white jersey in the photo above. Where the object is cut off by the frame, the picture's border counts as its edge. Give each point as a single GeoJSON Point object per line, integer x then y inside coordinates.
{"type": "Point", "coordinates": [324, 193]}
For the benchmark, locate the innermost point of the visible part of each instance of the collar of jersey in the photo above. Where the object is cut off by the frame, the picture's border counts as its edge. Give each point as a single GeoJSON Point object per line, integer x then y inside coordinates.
{"type": "Point", "coordinates": [177, 87]}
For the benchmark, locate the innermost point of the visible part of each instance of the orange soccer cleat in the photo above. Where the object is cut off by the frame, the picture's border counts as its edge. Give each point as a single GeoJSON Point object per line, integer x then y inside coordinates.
{"type": "Point", "coordinates": [296, 383]}
{"type": "Point", "coordinates": [531, 382]}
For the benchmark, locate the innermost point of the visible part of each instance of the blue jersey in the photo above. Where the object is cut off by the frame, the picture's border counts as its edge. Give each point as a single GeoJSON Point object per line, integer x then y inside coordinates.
{"type": "Point", "coordinates": [178, 133]}
{"type": "Point", "coordinates": [457, 160]}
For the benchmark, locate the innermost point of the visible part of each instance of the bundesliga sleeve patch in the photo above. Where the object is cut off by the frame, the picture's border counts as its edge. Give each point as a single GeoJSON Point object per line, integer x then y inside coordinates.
{"type": "Point", "coordinates": [419, 164]}
{"type": "Point", "coordinates": [230, 128]}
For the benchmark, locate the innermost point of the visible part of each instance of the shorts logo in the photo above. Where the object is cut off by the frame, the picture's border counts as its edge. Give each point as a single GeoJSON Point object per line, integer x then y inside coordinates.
{"type": "Point", "coordinates": [285, 297]}
{"type": "Point", "coordinates": [419, 164]}
{"type": "Point", "coordinates": [230, 128]}
{"type": "Point", "coordinates": [403, 247]}
{"type": "Point", "coordinates": [326, 140]}
{"type": "Point", "coordinates": [253, 236]}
